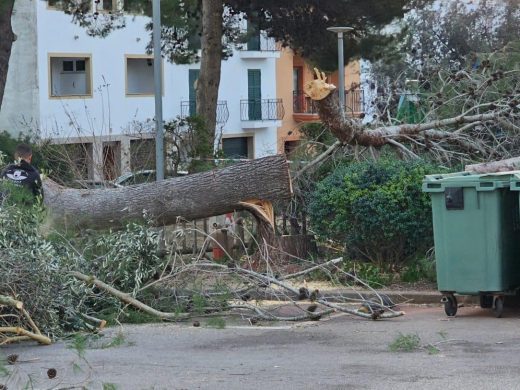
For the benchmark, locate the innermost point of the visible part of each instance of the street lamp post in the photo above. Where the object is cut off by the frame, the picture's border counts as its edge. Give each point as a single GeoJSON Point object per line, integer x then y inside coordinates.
{"type": "Point", "coordinates": [157, 76]}
{"type": "Point", "coordinates": [341, 63]}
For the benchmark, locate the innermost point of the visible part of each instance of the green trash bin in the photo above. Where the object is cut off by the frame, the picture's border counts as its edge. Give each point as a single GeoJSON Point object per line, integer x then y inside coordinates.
{"type": "Point", "coordinates": [477, 236]}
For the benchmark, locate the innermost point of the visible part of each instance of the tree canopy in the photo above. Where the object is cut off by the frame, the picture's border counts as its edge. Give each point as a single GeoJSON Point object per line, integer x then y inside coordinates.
{"type": "Point", "coordinates": [300, 25]}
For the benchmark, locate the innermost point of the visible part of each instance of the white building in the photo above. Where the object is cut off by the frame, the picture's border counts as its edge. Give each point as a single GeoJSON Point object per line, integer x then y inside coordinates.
{"type": "Point", "coordinates": [98, 92]}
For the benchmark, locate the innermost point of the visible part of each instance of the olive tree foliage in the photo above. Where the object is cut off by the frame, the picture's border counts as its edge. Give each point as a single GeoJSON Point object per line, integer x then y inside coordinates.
{"type": "Point", "coordinates": [35, 266]}
{"type": "Point", "coordinates": [454, 68]}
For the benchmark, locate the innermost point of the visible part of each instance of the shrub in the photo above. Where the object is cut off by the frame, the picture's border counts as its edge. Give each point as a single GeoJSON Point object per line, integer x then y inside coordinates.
{"type": "Point", "coordinates": [376, 209]}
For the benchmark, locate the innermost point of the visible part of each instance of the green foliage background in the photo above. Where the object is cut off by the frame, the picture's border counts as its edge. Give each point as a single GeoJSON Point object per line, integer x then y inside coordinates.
{"type": "Point", "coordinates": [375, 209]}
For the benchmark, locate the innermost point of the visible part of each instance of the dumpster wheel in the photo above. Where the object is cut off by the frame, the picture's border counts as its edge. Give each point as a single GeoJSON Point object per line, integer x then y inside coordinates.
{"type": "Point", "coordinates": [450, 305]}
{"type": "Point", "coordinates": [498, 306]}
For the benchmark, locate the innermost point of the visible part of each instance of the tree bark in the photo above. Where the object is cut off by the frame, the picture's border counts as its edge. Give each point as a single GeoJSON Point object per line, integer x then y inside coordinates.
{"type": "Point", "coordinates": [510, 164]}
{"type": "Point", "coordinates": [350, 131]}
{"type": "Point", "coordinates": [210, 64]}
{"type": "Point", "coordinates": [6, 42]}
{"type": "Point", "coordinates": [190, 197]}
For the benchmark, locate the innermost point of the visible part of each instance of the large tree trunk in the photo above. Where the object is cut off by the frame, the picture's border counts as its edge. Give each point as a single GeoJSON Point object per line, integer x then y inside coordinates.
{"type": "Point", "coordinates": [250, 185]}
{"type": "Point", "coordinates": [6, 42]}
{"type": "Point", "coordinates": [510, 164]}
{"type": "Point", "coordinates": [210, 64]}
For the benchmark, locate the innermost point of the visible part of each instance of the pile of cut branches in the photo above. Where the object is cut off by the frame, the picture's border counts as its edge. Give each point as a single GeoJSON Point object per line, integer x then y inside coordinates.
{"type": "Point", "coordinates": [51, 283]}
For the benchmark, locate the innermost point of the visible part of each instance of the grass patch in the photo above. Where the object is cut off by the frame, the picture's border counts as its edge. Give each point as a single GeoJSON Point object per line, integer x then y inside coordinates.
{"type": "Point", "coordinates": [405, 343]}
{"type": "Point", "coordinates": [216, 322]}
{"type": "Point", "coordinates": [3, 369]}
{"type": "Point", "coordinates": [79, 343]}
{"type": "Point", "coordinates": [443, 334]}
{"type": "Point", "coordinates": [117, 341]}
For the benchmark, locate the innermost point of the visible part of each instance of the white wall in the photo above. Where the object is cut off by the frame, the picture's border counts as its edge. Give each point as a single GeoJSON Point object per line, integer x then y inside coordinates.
{"type": "Point", "coordinates": [110, 111]}
{"type": "Point", "coordinates": [20, 103]}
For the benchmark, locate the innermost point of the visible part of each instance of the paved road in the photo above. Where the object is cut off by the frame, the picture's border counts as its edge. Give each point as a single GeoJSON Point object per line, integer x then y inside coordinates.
{"type": "Point", "coordinates": [475, 351]}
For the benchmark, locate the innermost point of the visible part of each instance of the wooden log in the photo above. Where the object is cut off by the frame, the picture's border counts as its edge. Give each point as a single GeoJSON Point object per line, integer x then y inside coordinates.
{"type": "Point", "coordinates": [190, 197]}
{"type": "Point", "coordinates": [18, 331]}
{"type": "Point", "coordinates": [510, 164]}
{"type": "Point", "coordinates": [5, 300]}
{"type": "Point", "coordinates": [127, 298]}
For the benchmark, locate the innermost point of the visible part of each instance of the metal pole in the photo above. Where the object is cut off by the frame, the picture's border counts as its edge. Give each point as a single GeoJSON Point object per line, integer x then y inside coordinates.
{"type": "Point", "coordinates": [341, 72]}
{"type": "Point", "coordinates": [157, 77]}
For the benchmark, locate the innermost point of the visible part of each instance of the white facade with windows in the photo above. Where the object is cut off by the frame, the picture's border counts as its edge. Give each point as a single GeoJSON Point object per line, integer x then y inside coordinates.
{"type": "Point", "coordinates": [99, 91]}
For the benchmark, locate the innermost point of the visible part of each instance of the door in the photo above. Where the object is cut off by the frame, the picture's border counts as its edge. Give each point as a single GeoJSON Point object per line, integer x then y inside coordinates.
{"type": "Point", "coordinates": [193, 76]}
{"type": "Point", "coordinates": [254, 94]}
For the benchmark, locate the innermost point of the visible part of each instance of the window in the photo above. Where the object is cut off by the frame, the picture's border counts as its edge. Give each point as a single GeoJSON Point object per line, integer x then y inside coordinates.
{"type": "Point", "coordinates": [70, 76]}
{"type": "Point", "coordinates": [142, 154]}
{"type": "Point", "coordinates": [111, 160]}
{"type": "Point", "coordinates": [85, 5]}
{"type": "Point", "coordinates": [139, 75]}
{"type": "Point", "coordinates": [253, 32]}
{"type": "Point", "coordinates": [238, 147]}
{"type": "Point", "coordinates": [107, 5]}
{"type": "Point", "coordinates": [290, 149]}
{"type": "Point", "coordinates": [90, 5]}
{"type": "Point", "coordinates": [297, 78]}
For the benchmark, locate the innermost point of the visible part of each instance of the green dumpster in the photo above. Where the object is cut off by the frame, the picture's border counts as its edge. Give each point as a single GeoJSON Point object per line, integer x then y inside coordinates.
{"type": "Point", "coordinates": [477, 236]}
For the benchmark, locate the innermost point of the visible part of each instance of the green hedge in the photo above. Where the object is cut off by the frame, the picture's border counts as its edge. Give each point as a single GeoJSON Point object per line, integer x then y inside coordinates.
{"type": "Point", "coordinates": [376, 209]}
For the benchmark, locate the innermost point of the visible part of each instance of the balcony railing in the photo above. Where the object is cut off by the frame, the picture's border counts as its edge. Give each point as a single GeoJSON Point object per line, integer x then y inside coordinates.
{"type": "Point", "coordinates": [354, 102]}
{"type": "Point", "coordinates": [260, 42]}
{"type": "Point", "coordinates": [302, 104]}
{"type": "Point", "coordinates": [189, 108]}
{"type": "Point", "coordinates": [261, 110]}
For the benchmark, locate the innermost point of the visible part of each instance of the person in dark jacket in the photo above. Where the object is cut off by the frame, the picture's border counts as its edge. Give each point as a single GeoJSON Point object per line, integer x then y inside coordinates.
{"type": "Point", "coordinates": [22, 173]}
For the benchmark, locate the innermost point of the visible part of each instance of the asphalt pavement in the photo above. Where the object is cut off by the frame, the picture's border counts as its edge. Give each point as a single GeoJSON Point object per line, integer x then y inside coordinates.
{"type": "Point", "coordinates": [473, 350]}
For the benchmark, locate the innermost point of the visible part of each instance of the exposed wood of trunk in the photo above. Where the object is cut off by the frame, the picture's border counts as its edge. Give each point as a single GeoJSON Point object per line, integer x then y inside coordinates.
{"type": "Point", "coordinates": [23, 332]}
{"type": "Point", "coordinates": [6, 300]}
{"type": "Point", "coordinates": [511, 164]}
{"type": "Point", "coordinates": [210, 62]}
{"type": "Point", "coordinates": [190, 197]}
{"type": "Point", "coordinates": [6, 42]}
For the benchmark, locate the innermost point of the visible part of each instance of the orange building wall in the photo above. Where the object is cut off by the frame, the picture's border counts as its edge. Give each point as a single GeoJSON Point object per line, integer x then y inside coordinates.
{"type": "Point", "coordinates": [284, 88]}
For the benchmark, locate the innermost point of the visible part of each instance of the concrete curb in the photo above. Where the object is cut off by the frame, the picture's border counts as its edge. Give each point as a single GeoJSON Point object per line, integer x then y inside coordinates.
{"type": "Point", "coordinates": [397, 296]}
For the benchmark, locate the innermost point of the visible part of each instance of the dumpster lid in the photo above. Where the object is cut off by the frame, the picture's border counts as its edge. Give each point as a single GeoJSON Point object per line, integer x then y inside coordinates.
{"type": "Point", "coordinates": [480, 181]}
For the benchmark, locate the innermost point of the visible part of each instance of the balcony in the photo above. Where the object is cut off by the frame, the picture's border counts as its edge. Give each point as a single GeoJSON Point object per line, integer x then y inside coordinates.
{"type": "Point", "coordinates": [354, 102]}
{"type": "Point", "coordinates": [259, 46]}
{"type": "Point", "coordinates": [189, 107]}
{"type": "Point", "coordinates": [304, 108]}
{"type": "Point", "coordinates": [261, 113]}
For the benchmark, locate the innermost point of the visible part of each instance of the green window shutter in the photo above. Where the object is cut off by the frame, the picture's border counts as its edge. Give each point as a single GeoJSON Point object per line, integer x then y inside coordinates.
{"type": "Point", "coordinates": [254, 86]}
{"type": "Point", "coordinates": [253, 43]}
{"type": "Point", "coordinates": [193, 76]}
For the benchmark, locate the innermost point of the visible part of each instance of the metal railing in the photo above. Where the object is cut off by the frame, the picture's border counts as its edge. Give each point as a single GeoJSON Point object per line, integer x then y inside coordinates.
{"type": "Point", "coordinates": [261, 110]}
{"type": "Point", "coordinates": [189, 108]}
{"type": "Point", "coordinates": [302, 104]}
{"type": "Point", "coordinates": [354, 102]}
{"type": "Point", "coordinates": [260, 42]}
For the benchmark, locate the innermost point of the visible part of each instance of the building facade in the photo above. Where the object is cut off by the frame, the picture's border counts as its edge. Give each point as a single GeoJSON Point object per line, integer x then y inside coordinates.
{"type": "Point", "coordinates": [98, 93]}
{"type": "Point", "coordinates": [293, 72]}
